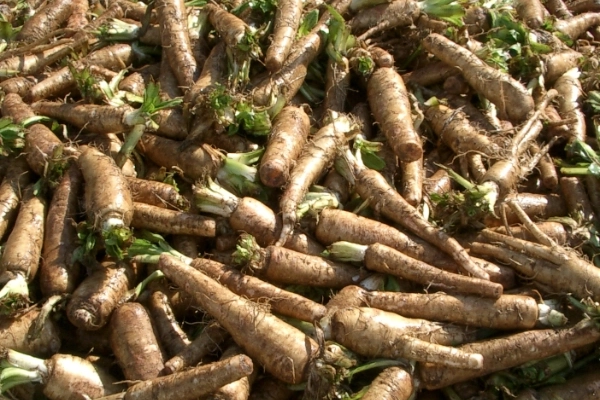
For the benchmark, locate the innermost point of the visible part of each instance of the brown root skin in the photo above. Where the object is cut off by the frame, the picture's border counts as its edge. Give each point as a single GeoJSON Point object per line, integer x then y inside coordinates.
{"type": "Point", "coordinates": [136, 81]}
{"type": "Point", "coordinates": [47, 19]}
{"type": "Point", "coordinates": [255, 218]}
{"type": "Point", "coordinates": [195, 161]}
{"type": "Point", "coordinates": [285, 84]}
{"type": "Point", "coordinates": [384, 259]}
{"type": "Point", "coordinates": [396, 13]}
{"type": "Point", "coordinates": [162, 220]}
{"type": "Point", "coordinates": [532, 12]}
{"type": "Point", "coordinates": [558, 62]}
{"type": "Point", "coordinates": [569, 102]}
{"type": "Point", "coordinates": [115, 57]}
{"type": "Point", "coordinates": [371, 186]}
{"type": "Point", "coordinates": [59, 273]}
{"type": "Point", "coordinates": [169, 333]}
{"type": "Point", "coordinates": [193, 383]}
{"type": "Point", "coordinates": [284, 351]}
{"type": "Point", "coordinates": [280, 301]}
{"type": "Point", "coordinates": [134, 343]}
{"type": "Point", "coordinates": [15, 334]}
{"type": "Point", "coordinates": [157, 194]}
{"type": "Point", "coordinates": [287, 266]}
{"type": "Point", "coordinates": [231, 28]}
{"type": "Point", "coordinates": [412, 181]}
{"type": "Point", "coordinates": [70, 378]}
{"type": "Point", "coordinates": [176, 42]}
{"type": "Point", "coordinates": [355, 328]}
{"type": "Point", "coordinates": [507, 312]}
{"type": "Point", "coordinates": [393, 383]}
{"type": "Point", "coordinates": [213, 71]}
{"type": "Point", "coordinates": [23, 248]}
{"type": "Point", "coordinates": [78, 19]}
{"type": "Point", "coordinates": [510, 96]}
{"type": "Point", "coordinates": [18, 85]}
{"type": "Point", "coordinates": [94, 118]}
{"type": "Point", "coordinates": [287, 20]}
{"type": "Point", "coordinates": [389, 103]}
{"type": "Point", "coordinates": [17, 177]}
{"type": "Point", "coordinates": [288, 135]}
{"type": "Point", "coordinates": [454, 129]}
{"type": "Point", "coordinates": [316, 157]}
{"type": "Point", "coordinates": [576, 26]}
{"type": "Point", "coordinates": [98, 295]}
{"type": "Point", "coordinates": [206, 342]}
{"type": "Point", "coordinates": [108, 201]}
{"type": "Point", "coordinates": [510, 351]}
{"type": "Point", "coordinates": [41, 143]}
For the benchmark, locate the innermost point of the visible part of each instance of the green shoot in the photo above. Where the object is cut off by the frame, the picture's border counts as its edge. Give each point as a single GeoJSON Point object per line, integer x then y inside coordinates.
{"type": "Point", "coordinates": [368, 151]}
{"type": "Point", "coordinates": [142, 119]}
{"type": "Point", "coordinates": [116, 30]}
{"type": "Point", "coordinates": [86, 238]}
{"type": "Point", "coordinates": [447, 10]}
{"type": "Point", "coordinates": [247, 252]}
{"type": "Point", "coordinates": [12, 137]}
{"type": "Point", "coordinates": [18, 368]}
{"type": "Point", "coordinates": [339, 39]}
{"type": "Point", "coordinates": [12, 376]}
{"type": "Point", "coordinates": [347, 251]}
{"type": "Point", "coordinates": [249, 158]}
{"type": "Point", "coordinates": [115, 97]}
{"type": "Point", "coordinates": [213, 199]}
{"type": "Point", "coordinates": [237, 114]}
{"type": "Point", "coordinates": [115, 240]}
{"type": "Point", "coordinates": [583, 160]}
{"type": "Point", "coordinates": [315, 201]}
{"type": "Point", "coordinates": [241, 179]}
{"type": "Point", "coordinates": [14, 295]}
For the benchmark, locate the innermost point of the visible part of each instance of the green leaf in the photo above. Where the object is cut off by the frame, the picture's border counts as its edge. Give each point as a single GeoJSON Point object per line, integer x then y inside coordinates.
{"type": "Point", "coordinates": [373, 161]}
{"type": "Point", "coordinates": [308, 23]}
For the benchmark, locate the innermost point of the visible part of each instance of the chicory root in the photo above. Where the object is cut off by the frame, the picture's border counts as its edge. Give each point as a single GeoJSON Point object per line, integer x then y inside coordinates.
{"type": "Point", "coordinates": [507, 94]}
{"type": "Point", "coordinates": [134, 343]}
{"type": "Point", "coordinates": [108, 202]}
{"type": "Point", "coordinates": [176, 42]}
{"type": "Point", "coordinates": [390, 105]}
{"type": "Point", "coordinates": [94, 300]}
{"type": "Point", "coordinates": [17, 177]}
{"type": "Point", "coordinates": [162, 220]}
{"type": "Point", "coordinates": [280, 301]}
{"type": "Point", "coordinates": [393, 383]}
{"type": "Point", "coordinates": [15, 333]}
{"type": "Point", "coordinates": [384, 259]}
{"type": "Point", "coordinates": [168, 332]}
{"type": "Point", "coordinates": [317, 156]}
{"type": "Point", "coordinates": [249, 215]}
{"type": "Point", "coordinates": [287, 20]}
{"type": "Point", "coordinates": [371, 186]}
{"type": "Point", "coordinates": [206, 342]}
{"type": "Point", "coordinates": [59, 272]}
{"type": "Point", "coordinates": [288, 134]}
{"type": "Point", "coordinates": [157, 194]}
{"type": "Point", "coordinates": [22, 252]}
{"type": "Point", "coordinates": [354, 328]}
{"type": "Point", "coordinates": [193, 383]}
{"type": "Point", "coordinates": [510, 351]}
{"type": "Point", "coordinates": [63, 376]}
{"type": "Point", "coordinates": [283, 350]}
